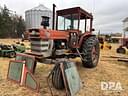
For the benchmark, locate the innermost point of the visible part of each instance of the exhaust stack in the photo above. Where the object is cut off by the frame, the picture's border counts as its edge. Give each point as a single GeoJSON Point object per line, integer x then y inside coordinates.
{"type": "Point", "coordinates": [53, 18]}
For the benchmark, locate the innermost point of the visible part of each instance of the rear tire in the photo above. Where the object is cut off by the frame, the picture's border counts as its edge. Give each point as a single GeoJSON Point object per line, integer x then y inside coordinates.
{"type": "Point", "coordinates": [121, 50]}
{"type": "Point", "coordinates": [110, 47]}
{"type": "Point", "coordinates": [0, 53]}
{"type": "Point", "coordinates": [12, 54]}
{"type": "Point", "coordinates": [91, 51]}
{"type": "Point", "coordinates": [57, 79]}
{"type": "Point", "coordinates": [102, 47]}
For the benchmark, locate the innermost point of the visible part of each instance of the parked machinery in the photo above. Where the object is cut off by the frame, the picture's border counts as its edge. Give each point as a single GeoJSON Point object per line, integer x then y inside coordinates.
{"type": "Point", "coordinates": [123, 47]}
{"type": "Point", "coordinates": [10, 50]}
{"type": "Point", "coordinates": [104, 43]}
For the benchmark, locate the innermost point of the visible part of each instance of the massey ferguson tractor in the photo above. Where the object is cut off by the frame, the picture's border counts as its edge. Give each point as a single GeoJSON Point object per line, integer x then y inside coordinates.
{"type": "Point", "coordinates": [71, 36]}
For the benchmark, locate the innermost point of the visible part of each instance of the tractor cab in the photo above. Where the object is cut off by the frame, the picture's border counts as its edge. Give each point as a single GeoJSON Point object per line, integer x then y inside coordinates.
{"type": "Point", "coordinates": [75, 19]}
{"type": "Point", "coordinates": [76, 22]}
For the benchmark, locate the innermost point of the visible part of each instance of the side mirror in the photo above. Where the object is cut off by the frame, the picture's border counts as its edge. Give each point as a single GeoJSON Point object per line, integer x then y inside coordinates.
{"type": "Point", "coordinates": [93, 29]}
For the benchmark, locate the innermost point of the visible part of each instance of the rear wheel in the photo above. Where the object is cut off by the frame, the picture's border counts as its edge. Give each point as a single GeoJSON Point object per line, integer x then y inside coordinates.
{"type": "Point", "coordinates": [101, 46]}
{"type": "Point", "coordinates": [57, 79]}
{"type": "Point", "coordinates": [121, 50]}
{"type": "Point", "coordinates": [110, 47]}
{"type": "Point", "coordinates": [91, 51]}
{"type": "Point", "coordinates": [0, 50]}
{"type": "Point", "coordinates": [12, 54]}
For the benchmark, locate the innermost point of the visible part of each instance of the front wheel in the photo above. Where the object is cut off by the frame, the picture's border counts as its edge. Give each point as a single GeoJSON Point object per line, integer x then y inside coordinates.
{"type": "Point", "coordinates": [12, 54]}
{"type": "Point", "coordinates": [91, 52]}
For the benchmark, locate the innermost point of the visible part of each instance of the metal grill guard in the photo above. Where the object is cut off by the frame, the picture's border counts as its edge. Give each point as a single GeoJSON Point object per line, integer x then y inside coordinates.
{"type": "Point", "coordinates": [40, 47]}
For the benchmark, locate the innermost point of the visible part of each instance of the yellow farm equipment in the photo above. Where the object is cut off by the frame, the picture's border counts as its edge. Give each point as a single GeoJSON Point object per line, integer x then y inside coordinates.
{"type": "Point", "coordinates": [104, 44]}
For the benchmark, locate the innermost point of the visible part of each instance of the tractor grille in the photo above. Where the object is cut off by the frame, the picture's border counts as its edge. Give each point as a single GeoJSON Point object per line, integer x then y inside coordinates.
{"type": "Point", "coordinates": [39, 46]}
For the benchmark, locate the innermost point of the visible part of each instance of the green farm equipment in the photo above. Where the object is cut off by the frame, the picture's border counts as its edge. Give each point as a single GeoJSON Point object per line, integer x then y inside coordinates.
{"type": "Point", "coordinates": [11, 50]}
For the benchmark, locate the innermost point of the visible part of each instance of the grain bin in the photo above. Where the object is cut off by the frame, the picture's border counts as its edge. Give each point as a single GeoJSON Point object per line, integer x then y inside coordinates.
{"type": "Point", "coordinates": [125, 27]}
{"type": "Point", "coordinates": [33, 16]}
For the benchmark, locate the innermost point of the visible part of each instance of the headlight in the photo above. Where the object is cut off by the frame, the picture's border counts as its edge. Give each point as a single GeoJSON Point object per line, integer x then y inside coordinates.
{"type": "Point", "coordinates": [33, 32]}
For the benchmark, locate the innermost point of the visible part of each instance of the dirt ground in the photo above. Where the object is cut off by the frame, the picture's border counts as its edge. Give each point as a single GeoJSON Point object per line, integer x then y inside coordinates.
{"type": "Point", "coordinates": [108, 70]}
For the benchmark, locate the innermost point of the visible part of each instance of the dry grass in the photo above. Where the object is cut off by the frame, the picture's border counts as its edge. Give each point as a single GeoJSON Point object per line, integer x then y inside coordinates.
{"type": "Point", "coordinates": [107, 70]}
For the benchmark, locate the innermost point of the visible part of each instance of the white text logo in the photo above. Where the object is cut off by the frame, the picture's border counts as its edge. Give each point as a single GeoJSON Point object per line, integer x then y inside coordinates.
{"type": "Point", "coordinates": [111, 86]}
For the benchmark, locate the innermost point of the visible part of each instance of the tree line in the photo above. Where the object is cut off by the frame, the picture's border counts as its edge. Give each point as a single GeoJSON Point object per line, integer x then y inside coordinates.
{"type": "Point", "coordinates": [11, 25]}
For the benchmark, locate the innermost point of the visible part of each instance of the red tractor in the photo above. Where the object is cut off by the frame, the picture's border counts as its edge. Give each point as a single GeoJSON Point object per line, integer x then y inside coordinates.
{"type": "Point", "coordinates": [123, 47]}
{"type": "Point", "coordinates": [71, 38]}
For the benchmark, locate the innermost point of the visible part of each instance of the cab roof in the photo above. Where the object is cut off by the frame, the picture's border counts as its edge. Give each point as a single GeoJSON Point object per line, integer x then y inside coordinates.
{"type": "Point", "coordinates": [75, 10]}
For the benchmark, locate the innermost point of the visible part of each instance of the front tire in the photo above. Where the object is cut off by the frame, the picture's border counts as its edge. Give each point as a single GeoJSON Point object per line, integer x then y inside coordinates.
{"type": "Point", "coordinates": [12, 54]}
{"type": "Point", "coordinates": [91, 52]}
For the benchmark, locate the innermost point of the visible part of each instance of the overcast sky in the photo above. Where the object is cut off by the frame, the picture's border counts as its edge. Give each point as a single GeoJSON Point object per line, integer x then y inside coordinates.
{"type": "Point", "coordinates": [108, 14]}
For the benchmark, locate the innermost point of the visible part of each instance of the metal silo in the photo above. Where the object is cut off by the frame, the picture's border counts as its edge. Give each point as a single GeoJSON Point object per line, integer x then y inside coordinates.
{"type": "Point", "coordinates": [33, 16]}
{"type": "Point", "coordinates": [125, 27]}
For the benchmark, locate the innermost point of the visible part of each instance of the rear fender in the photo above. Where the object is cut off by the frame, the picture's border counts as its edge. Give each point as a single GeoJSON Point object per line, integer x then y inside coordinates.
{"type": "Point", "coordinates": [85, 36]}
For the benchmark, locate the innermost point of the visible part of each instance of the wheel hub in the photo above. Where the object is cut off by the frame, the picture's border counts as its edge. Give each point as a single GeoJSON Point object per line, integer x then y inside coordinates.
{"type": "Point", "coordinates": [94, 54]}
